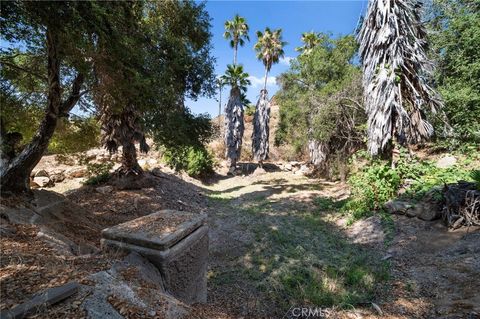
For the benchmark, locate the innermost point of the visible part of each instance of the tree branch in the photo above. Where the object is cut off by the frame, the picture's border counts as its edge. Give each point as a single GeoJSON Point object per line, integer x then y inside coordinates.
{"type": "Point", "coordinates": [13, 65]}
{"type": "Point", "coordinates": [75, 95]}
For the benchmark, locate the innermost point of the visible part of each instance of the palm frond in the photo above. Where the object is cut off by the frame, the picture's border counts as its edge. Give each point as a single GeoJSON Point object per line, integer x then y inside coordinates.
{"type": "Point", "coordinates": [396, 73]}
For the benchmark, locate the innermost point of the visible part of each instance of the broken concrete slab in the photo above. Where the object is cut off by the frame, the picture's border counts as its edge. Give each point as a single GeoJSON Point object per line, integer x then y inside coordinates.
{"type": "Point", "coordinates": [137, 283]}
{"type": "Point", "coordinates": [44, 299]}
{"type": "Point", "coordinates": [176, 242]}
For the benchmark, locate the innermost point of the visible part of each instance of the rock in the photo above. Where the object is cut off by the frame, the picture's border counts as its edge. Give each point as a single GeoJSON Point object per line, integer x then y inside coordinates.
{"type": "Point", "coordinates": [43, 181]}
{"type": "Point", "coordinates": [76, 172]}
{"type": "Point", "coordinates": [57, 178]}
{"type": "Point", "coordinates": [104, 189]}
{"type": "Point", "coordinates": [152, 161]}
{"type": "Point", "coordinates": [446, 161]}
{"type": "Point", "coordinates": [6, 229]}
{"type": "Point", "coordinates": [59, 242]}
{"type": "Point", "coordinates": [17, 215]}
{"type": "Point", "coordinates": [57, 171]}
{"type": "Point", "coordinates": [288, 167]}
{"type": "Point", "coordinates": [102, 158]}
{"type": "Point", "coordinates": [142, 162]}
{"type": "Point", "coordinates": [142, 288]}
{"type": "Point", "coordinates": [33, 185]}
{"type": "Point", "coordinates": [304, 170]}
{"type": "Point", "coordinates": [427, 211]}
{"type": "Point", "coordinates": [259, 171]}
{"type": "Point", "coordinates": [398, 206]}
{"type": "Point", "coordinates": [41, 173]}
{"type": "Point", "coordinates": [93, 154]}
{"type": "Point", "coordinates": [157, 172]}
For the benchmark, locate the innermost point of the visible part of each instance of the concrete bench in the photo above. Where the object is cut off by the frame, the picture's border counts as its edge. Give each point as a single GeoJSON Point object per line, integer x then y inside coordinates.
{"type": "Point", "coordinates": [175, 242]}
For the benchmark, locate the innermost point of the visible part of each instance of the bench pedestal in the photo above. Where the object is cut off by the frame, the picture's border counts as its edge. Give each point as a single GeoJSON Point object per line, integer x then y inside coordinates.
{"type": "Point", "coordinates": [175, 242]}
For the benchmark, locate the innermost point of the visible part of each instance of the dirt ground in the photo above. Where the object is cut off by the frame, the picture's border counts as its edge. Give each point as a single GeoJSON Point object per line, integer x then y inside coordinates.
{"type": "Point", "coordinates": [259, 232]}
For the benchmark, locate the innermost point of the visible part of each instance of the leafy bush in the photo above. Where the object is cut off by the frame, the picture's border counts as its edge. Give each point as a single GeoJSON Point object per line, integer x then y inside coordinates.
{"type": "Point", "coordinates": [371, 188]}
{"type": "Point", "coordinates": [75, 135]}
{"type": "Point", "coordinates": [98, 173]}
{"type": "Point", "coordinates": [455, 46]}
{"type": "Point", "coordinates": [72, 135]}
{"type": "Point", "coordinates": [377, 183]}
{"type": "Point", "coordinates": [195, 161]}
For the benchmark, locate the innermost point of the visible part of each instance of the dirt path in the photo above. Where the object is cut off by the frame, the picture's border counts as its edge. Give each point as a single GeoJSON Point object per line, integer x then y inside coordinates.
{"type": "Point", "coordinates": [279, 242]}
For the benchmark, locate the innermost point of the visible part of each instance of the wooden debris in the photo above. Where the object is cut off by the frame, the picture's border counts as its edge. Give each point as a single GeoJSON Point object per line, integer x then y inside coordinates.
{"type": "Point", "coordinates": [47, 298]}
{"type": "Point", "coordinates": [462, 205]}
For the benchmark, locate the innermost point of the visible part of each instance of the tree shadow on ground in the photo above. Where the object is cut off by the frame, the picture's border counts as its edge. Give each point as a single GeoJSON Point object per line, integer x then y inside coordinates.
{"type": "Point", "coordinates": [293, 256]}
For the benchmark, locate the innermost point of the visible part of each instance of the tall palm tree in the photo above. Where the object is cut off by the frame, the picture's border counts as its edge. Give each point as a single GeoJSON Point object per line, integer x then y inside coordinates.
{"type": "Point", "coordinates": [269, 49]}
{"type": "Point", "coordinates": [395, 75]}
{"type": "Point", "coordinates": [236, 30]}
{"type": "Point", "coordinates": [310, 40]}
{"type": "Point", "coordinates": [234, 126]}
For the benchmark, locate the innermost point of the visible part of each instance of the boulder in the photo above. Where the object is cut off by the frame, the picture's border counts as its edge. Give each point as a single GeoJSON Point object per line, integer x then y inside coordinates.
{"type": "Point", "coordinates": [43, 181]}
{"type": "Point", "coordinates": [304, 170]}
{"type": "Point", "coordinates": [398, 207]}
{"type": "Point", "coordinates": [41, 173]}
{"type": "Point", "coordinates": [104, 189]}
{"type": "Point", "coordinates": [76, 172]}
{"type": "Point", "coordinates": [134, 283]}
{"type": "Point", "coordinates": [259, 171]}
{"type": "Point", "coordinates": [288, 167]}
{"type": "Point", "coordinates": [93, 154]}
{"type": "Point", "coordinates": [427, 211]}
{"type": "Point", "coordinates": [57, 178]}
{"type": "Point", "coordinates": [446, 161]}
{"type": "Point", "coordinates": [152, 161]}
{"type": "Point", "coordinates": [142, 162]}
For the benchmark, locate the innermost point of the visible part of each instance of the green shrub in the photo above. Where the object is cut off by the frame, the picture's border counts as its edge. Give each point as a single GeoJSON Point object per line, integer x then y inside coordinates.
{"type": "Point", "coordinates": [195, 161]}
{"type": "Point", "coordinates": [377, 182]}
{"type": "Point", "coordinates": [371, 188]}
{"type": "Point", "coordinates": [75, 135]}
{"type": "Point", "coordinates": [98, 173]}
{"type": "Point", "coordinates": [475, 175]}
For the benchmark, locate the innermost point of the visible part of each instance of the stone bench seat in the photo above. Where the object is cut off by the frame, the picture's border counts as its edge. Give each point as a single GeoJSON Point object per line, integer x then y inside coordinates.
{"type": "Point", "coordinates": [176, 242]}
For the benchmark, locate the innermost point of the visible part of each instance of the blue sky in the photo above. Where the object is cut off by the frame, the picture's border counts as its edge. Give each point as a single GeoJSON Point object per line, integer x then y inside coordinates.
{"type": "Point", "coordinates": [293, 17]}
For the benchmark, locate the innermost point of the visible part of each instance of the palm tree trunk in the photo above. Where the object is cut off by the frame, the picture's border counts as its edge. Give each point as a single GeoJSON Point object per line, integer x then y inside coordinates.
{"type": "Point", "coordinates": [266, 77]}
{"type": "Point", "coordinates": [235, 50]}
{"type": "Point", "coordinates": [234, 128]}
{"type": "Point", "coordinates": [15, 176]}
{"type": "Point", "coordinates": [261, 131]}
{"type": "Point", "coordinates": [220, 107]}
{"type": "Point", "coordinates": [129, 159]}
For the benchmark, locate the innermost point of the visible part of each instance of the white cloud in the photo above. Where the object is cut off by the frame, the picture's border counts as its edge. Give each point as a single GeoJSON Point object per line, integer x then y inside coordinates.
{"type": "Point", "coordinates": [286, 60]}
{"type": "Point", "coordinates": [258, 81]}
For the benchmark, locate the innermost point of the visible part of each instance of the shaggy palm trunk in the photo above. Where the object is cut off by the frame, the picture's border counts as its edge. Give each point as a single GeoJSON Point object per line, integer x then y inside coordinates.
{"type": "Point", "coordinates": [395, 71]}
{"type": "Point", "coordinates": [234, 127]}
{"type": "Point", "coordinates": [15, 176]}
{"type": "Point", "coordinates": [318, 152]}
{"type": "Point", "coordinates": [123, 129]}
{"type": "Point", "coordinates": [261, 130]}
{"type": "Point", "coordinates": [129, 159]}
